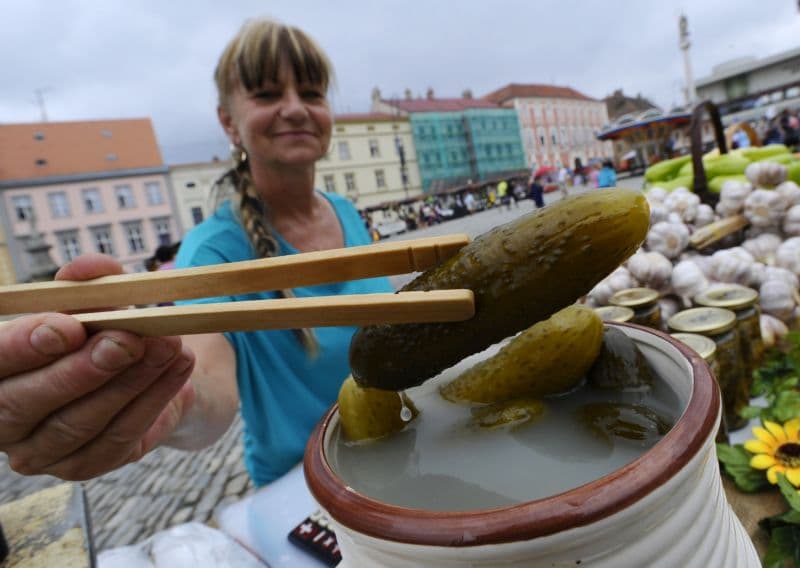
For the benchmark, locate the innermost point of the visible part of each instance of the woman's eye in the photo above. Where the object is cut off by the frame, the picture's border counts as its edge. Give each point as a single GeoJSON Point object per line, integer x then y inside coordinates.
{"type": "Point", "coordinates": [312, 94]}
{"type": "Point", "coordinates": [267, 95]}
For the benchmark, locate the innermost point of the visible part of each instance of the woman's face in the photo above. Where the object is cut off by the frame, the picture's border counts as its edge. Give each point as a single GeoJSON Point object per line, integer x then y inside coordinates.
{"type": "Point", "coordinates": [280, 124]}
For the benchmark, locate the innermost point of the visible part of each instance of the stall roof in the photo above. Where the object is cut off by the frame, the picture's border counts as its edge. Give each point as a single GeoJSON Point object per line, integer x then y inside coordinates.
{"type": "Point", "coordinates": [616, 130]}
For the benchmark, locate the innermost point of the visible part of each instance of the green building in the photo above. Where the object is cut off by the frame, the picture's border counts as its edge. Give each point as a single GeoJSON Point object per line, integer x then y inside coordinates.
{"type": "Point", "coordinates": [460, 141]}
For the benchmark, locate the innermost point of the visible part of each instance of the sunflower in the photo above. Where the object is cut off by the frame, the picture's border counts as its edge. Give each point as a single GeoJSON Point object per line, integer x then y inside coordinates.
{"type": "Point", "coordinates": [777, 449]}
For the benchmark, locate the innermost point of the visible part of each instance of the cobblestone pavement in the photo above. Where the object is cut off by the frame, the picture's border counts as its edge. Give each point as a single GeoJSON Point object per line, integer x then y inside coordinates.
{"type": "Point", "coordinates": [170, 487]}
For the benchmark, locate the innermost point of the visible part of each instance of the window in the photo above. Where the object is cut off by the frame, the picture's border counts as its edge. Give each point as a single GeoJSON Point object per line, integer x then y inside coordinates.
{"type": "Point", "coordinates": [197, 215]}
{"type": "Point", "coordinates": [41, 162]}
{"type": "Point", "coordinates": [344, 151]}
{"type": "Point", "coordinates": [154, 195]}
{"type": "Point", "coordinates": [350, 182]}
{"type": "Point", "coordinates": [69, 244]}
{"type": "Point", "coordinates": [374, 149]}
{"type": "Point", "coordinates": [125, 198]}
{"type": "Point", "coordinates": [38, 135]}
{"type": "Point", "coordinates": [330, 184]}
{"type": "Point", "coordinates": [23, 207]}
{"type": "Point", "coordinates": [91, 200]}
{"type": "Point", "coordinates": [133, 233]}
{"type": "Point", "coordinates": [380, 180]}
{"type": "Point", "coordinates": [553, 136]}
{"type": "Point", "coordinates": [102, 239]}
{"type": "Point", "coordinates": [111, 157]}
{"type": "Point", "coordinates": [59, 206]}
{"type": "Point", "coordinates": [162, 227]}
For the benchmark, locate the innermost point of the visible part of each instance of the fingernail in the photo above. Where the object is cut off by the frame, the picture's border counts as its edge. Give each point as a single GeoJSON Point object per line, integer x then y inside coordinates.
{"type": "Point", "coordinates": [159, 353]}
{"type": "Point", "coordinates": [48, 340]}
{"type": "Point", "coordinates": [110, 355]}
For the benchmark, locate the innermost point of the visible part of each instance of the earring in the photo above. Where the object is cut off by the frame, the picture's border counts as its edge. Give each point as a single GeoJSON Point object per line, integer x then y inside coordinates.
{"type": "Point", "coordinates": [238, 154]}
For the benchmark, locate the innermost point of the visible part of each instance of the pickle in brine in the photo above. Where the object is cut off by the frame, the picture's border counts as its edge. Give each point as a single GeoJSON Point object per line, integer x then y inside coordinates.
{"type": "Point", "coordinates": [366, 413]}
{"type": "Point", "coordinates": [509, 414]}
{"type": "Point", "coordinates": [550, 357]}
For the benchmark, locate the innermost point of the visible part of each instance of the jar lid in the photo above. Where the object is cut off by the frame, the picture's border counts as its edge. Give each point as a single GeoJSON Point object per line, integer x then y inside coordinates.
{"type": "Point", "coordinates": [614, 313]}
{"type": "Point", "coordinates": [703, 320]}
{"type": "Point", "coordinates": [633, 297]}
{"type": "Point", "coordinates": [704, 346]}
{"type": "Point", "coordinates": [731, 296]}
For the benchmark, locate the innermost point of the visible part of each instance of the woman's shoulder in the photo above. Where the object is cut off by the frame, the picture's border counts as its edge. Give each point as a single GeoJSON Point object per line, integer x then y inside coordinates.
{"type": "Point", "coordinates": [219, 238]}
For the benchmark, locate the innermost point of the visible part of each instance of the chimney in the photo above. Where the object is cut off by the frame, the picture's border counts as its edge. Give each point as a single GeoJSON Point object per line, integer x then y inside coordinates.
{"type": "Point", "coordinates": [467, 94]}
{"type": "Point", "coordinates": [429, 94]}
{"type": "Point", "coordinates": [408, 95]}
{"type": "Point", "coordinates": [376, 95]}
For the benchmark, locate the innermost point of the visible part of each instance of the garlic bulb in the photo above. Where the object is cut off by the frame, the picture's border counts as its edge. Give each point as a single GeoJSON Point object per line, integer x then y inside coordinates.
{"type": "Point", "coordinates": [687, 279]}
{"type": "Point", "coordinates": [763, 246]}
{"type": "Point", "coordinates": [778, 273]}
{"type": "Point", "coordinates": [684, 204]}
{"type": "Point", "coordinates": [658, 213]}
{"type": "Point", "coordinates": [764, 207]}
{"type": "Point", "coordinates": [776, 298]}
{"type": "Point", "coordinates": [728, 266]}
{"type": "Point", "coordinates": [669, 307]}
{"type": "Point", "coordinates": [790, 192]}
{"type": "Point", "coordinates": [766, 174]}
{"type": "Point", "coordinates": [650, 269]}
{"type": "Point", "coordinates": [705, 215]}
{"type": "Point", "coordinates": [788, 255]}
{"type": "Point", "coordinates": [791, 221]}
{"type": "Point", "coordinates": [742, 253]}
{"type": "Point", "coordinates": [758, 275]}
{"type": "Point", "coordinates": [670, 239]}
{"type": "Point", "coordinates": [772, 330]}
{"type": "Point", "coordinates": [656, 195]}
{"type": "Point", "coordinates": [618, 280]}
{"type": "Point", "coordinates": [732, 196]}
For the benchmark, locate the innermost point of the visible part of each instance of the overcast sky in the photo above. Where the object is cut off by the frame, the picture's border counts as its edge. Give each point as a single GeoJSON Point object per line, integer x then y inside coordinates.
{"type": "Point", "coordinates": [93, 59]}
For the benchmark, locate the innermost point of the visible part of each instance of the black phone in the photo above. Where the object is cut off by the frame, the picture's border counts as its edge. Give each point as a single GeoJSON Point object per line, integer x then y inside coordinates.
{"type": "Point", "coordinates": [315, 536]}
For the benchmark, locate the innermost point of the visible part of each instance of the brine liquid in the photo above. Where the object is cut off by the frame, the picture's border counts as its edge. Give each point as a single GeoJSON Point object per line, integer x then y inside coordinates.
{"type": "Point", "coordinates": [443, 462]}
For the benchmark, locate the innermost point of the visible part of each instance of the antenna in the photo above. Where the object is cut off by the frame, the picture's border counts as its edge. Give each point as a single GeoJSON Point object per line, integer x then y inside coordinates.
{"type": "Point", "coordinates": [40, 101]}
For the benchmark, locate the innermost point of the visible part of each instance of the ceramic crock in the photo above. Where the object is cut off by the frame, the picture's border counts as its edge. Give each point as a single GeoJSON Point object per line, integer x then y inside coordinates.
{"type": "Point", "coordinates": [667, 508]}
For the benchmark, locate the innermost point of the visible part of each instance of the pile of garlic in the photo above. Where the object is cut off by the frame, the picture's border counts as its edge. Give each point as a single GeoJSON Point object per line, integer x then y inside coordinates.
{"type": "Point", "coordinates": [767, 260]}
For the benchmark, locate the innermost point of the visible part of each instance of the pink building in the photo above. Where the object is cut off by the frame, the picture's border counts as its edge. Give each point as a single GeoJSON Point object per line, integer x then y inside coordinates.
{"type": "Point", "coordinates": [94, 186]}
{"type": "Point", "coordinates": [558, 124]}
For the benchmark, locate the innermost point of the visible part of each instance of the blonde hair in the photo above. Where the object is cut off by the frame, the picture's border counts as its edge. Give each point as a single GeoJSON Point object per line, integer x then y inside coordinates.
{"type": "Point", "coordinates": [260, 52]}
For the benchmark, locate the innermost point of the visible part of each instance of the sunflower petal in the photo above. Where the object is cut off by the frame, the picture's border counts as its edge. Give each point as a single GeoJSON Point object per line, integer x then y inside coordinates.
{"type": "Point", "coordinates": [776, 430]}
{"type": "Point", "coordinates": [772, 473]}
{"type": "Point", "coordinates": [757, 447]}
{"type": "Point", "coordinates": [792, 427]}
{"type": "Point", "coordinates": [793, 475]}
{"type": "Point", "coordinates": [762, 461]}
{"type": "Point", "coordinates": [764, 435]}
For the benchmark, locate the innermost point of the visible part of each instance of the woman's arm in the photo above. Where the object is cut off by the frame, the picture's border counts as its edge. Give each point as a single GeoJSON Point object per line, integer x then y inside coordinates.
{"type": "Point", "coordinates": [215, 399]}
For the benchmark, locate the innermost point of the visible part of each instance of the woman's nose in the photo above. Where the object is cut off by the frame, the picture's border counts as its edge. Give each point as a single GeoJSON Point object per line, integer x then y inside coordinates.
{"type": "Point", "coordinates": [292, 106]}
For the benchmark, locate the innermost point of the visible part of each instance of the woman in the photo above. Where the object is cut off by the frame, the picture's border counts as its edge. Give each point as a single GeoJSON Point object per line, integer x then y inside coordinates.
{"type": "Point", "coordinates": [76, 406]}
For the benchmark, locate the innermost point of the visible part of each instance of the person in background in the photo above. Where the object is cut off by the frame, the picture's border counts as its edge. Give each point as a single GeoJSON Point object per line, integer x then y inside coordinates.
{"type": "Point", "coordinates": [165, 254]}
{"type": "Point", "coordinates": [607, 177]}
{"type": "Point", "coordinates": [84, 404]}
{"type": "Point", "coordinates": [537, 191]}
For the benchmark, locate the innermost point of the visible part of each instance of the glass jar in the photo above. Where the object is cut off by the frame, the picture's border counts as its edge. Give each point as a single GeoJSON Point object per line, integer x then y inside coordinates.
{"type": "Point", "coordinates": [743, 302]}
{"type": "Point", "coordinates": [720, 325]}
{"type": "Point", "coordinates": [643, 302]}
{"type": "Point", "coordinates": [614, 313]}
{"type": "Point", "coordinates": [707, 349]}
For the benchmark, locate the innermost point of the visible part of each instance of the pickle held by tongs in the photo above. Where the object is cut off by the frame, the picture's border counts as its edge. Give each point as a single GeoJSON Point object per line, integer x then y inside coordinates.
{"type": "Point", "coordinates": [520, 273]}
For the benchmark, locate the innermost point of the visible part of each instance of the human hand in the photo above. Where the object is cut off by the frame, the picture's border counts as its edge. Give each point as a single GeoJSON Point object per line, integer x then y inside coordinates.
{"type": "Point", "coordinates": [76, 406]}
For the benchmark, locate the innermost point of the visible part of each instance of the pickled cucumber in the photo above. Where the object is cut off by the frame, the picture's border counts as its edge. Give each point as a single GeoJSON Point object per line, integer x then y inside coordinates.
{"type": "Point", "coordinates": [620, 364]}
{"type": "Point", "coordinates": [521, 272]}
{"type": "Point", "coordinates": [509, 414]}
{"type": "Point", "coordinates": [550, 357]}
{"type": "Point", "coordinates": [367, 414]}
{"type": "Point", "coordinates": [635, 422]}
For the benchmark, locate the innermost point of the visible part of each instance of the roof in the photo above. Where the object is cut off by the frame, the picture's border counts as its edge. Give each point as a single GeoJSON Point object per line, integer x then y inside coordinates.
{"type": "Point", "coordinates": [518, 91]}
{"type": "Point", "coordinates": [368, 117]}
{"type": "Point", "coordinates": [55, 149]}
{"type": "Point", "coordinates": [439, 105]}
{"type": "Point", "coordinates": [623, 128]}
{"type": "Point", "coordinates": [725, 71]}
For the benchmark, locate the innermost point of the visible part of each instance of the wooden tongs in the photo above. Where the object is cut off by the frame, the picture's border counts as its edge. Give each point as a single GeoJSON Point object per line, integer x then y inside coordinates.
{"type": "Point", "coordinates": [305, 269]}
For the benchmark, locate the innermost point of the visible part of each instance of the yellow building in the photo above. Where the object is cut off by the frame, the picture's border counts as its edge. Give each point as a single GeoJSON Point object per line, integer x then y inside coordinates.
{"type": "Point", "coordinates": [191, 184]}
{"type": "Point", "coordinates": [364, 162]}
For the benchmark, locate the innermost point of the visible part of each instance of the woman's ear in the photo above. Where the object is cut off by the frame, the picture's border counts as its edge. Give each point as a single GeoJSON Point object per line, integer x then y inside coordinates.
{"type": "Point", "coordinates": [226, 120]}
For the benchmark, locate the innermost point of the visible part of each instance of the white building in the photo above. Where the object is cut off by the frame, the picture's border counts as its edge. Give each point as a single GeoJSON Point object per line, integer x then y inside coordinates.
{"type": "Point", "coordinates": [191, 184]}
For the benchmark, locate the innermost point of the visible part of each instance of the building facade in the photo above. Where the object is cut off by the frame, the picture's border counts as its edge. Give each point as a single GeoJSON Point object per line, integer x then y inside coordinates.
{"type": "Point", "coordinates": [558, 124]}
{"type": "Point", "coordinates": [93, 186]}
{"type": "Point", "coordinates": [372, 160]}
{"type": "Point", "coordinates": [192, 185]}
{"type": "Point", "coordinates": [7, 272]}
{"type": "Point", "coordinates": [750, 88]}
{"type": "Point", "coordinates": [459, 141]}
